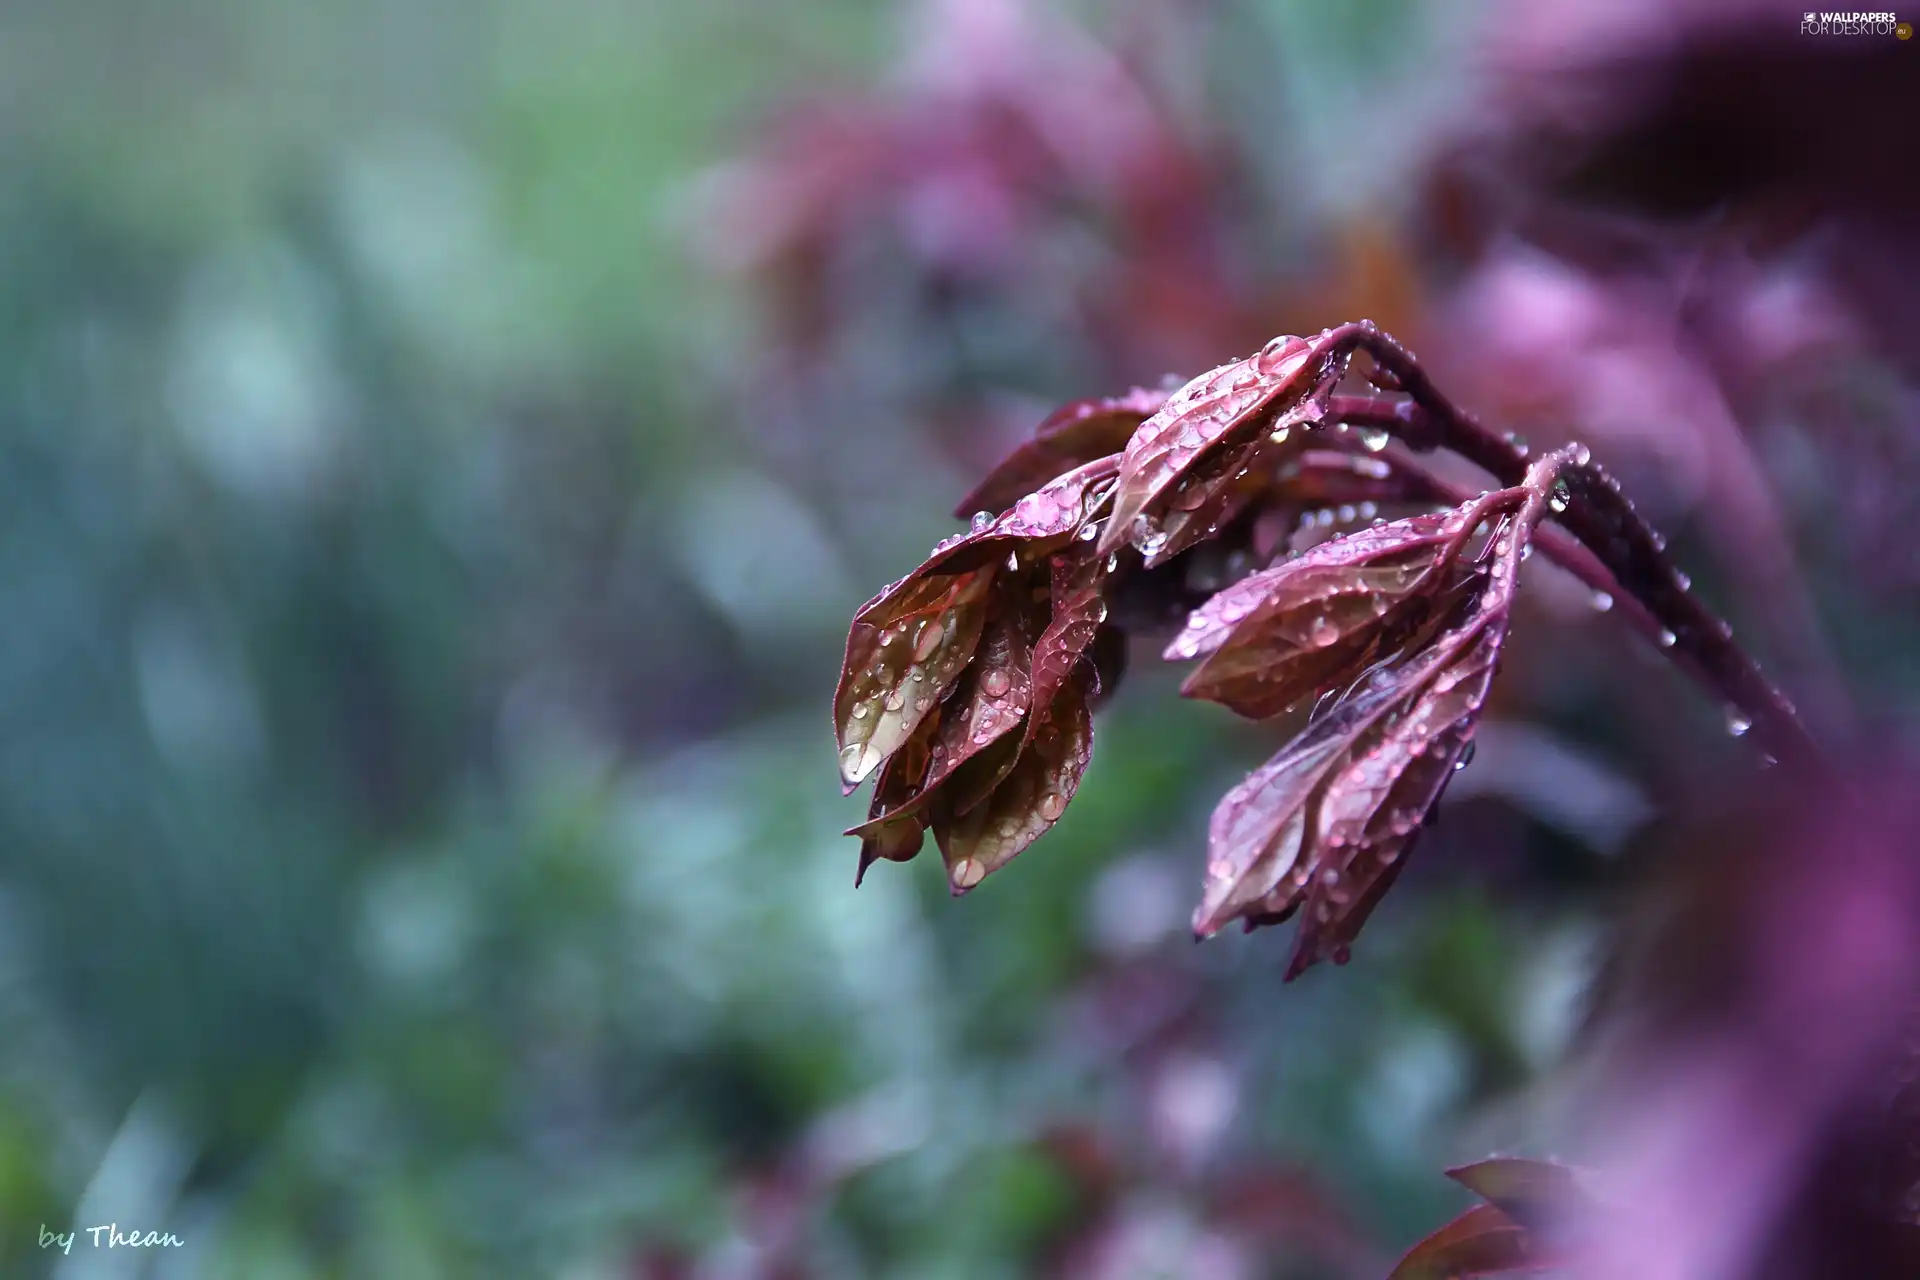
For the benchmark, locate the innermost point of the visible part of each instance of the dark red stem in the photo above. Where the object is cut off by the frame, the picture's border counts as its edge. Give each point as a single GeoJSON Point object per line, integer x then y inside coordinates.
{"type": "Point", "coordinates": [1605, 543]}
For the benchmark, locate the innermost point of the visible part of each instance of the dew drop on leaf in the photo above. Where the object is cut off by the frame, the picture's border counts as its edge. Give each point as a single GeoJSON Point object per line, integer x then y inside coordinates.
{"type": "Point", "coordinates": [1737, 722]}
{"type": "Point", "coordinates": [995, 684]}
{"type": "Point", "coordinates": [1602, 601]}
{"type": "Point", "coordinates": [981, 519]}
{"type": "Point", "coordinates": [1373, 439]}
{"type": "Point", "coordinates": [1667, 638]}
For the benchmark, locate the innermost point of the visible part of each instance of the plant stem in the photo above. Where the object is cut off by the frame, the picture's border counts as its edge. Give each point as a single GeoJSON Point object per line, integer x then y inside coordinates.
{"type": "Point", "coordinates": [1618, 552]}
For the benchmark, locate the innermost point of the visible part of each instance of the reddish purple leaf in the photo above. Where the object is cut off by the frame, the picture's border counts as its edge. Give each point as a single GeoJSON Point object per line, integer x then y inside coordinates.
{"type": "Point", "coordinates": [1319, 620]}
{"type": "Point", "coordinates": [1326, 824]}
{"type": "Point", "coordinates": [1541, 1195]}
{"type": "Point", "coordinates": [1480, 1242]}
{"type": "Point", "coordinates": [910, 643]}
{"type": "Point", "coordinates": [1071, 436]}
{"type": "Point", "coordinates": [1281, 384]}
{"type": "Point", "coordinates": [1259, 841]}
{"type": "Point", "coordinates": [1214, 493]}
{"type": "Point", "coordinates": [1032, 795]}
{"type": "Point", "coordinates": [903, 652]}
{"type": "Point", "coordinates": [894, 829]}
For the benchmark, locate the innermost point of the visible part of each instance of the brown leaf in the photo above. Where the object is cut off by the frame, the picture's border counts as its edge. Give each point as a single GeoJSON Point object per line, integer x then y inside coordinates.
{"type": "Point", "coordinates": [909, 644]}
{"type": "Point", "coordinates": [1480, 1242]}
{"type": "Point", "coordinates": [1326, 824]}
{"type": "Point", "coordinates": [1541, 1195]}
{"type": "Point", "coordinates": [1218, 489]}
{"type": "Point", "coordinates": [1032, 795]}
{"type": "Point", "coordinates": [1258, 842]}
{"type": "Point", "coordinates": [903, 652]}
{"type": "Point", "coordinates": [1072, 435]}
{"type": "Point", "coordinates": [894, 828]}
{"type": "Point", "coordinates": [1284, 382]}
{"type": "Point", "coordinates": [1318, 620]}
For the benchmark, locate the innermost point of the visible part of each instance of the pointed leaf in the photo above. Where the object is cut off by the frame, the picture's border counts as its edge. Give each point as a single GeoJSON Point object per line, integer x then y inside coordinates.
{"type": "Point", "coordinates": [1480, 1242]}
{"type": "Point", "coordinates": [893, 829]}
{"type": "Point", "coordinates": [1030, 798]}
{"type": "Point", "coordinates": [1231, 403]}
{"type": "Point", "coordinates": [1214, 493]}
{"type": "Point", "coordinates": [1257, 840]}
{"type": "Point", "coordinates": [1072, 435]}
{"type": "Point", "coordinates": [1541, 1195]}
{"type": "Point", "coordinates": [903, 652]}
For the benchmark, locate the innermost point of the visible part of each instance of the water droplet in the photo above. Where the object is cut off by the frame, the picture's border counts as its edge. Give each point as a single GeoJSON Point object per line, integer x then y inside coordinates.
{"type": "Point", "coordinates": [1323, 517]}
{"type": "Point", "coordinates": [1667, 638]}
{"type": "Point", "coordinates": [1089, 533]}
{"type": "Point", "coordinates": [966, 873]}
{"type": "Point", "coordinates": [1466, 756]}
{"type": "Point", "coordinates": [1342, 953]}
{"type": "Point", "coordinates": [1602, 601]}
{"type": "Point", "coordinates": [1323, 632]}
{"type": "Point", "coordinates": [853, 761]}
{"type": "Point", "coordinates": [995, 684]}
{"type": "Point", "coordinates": [886, 638]}
{"type": "Point", "coordinates": [981, 519]}
{"type": "Point", "coordinates": [1581, 455]}
{"type": "Point", "coordinates": [1013, 561]}
{"type": "Point", "coordinates": [859, 711]}
{"type": "Point", "coordinates": [1052, 805]}
{"type": "Point", "coordinates": [1277, 346]}
{"type": "Point", "coordinates": [1279, 435]}
{"type": "Point", "coordinates": [1152, 544]}
{"type": "Point", "coordinates": [1369, 510]}
{"type": "Point", "coordinates": [1737, 722]}
{"type": "Point", "coordinates": [1245, 380]}
{"type": "Point", "coordinates": [1682, 581]}
{"type": "Point", "coordinates": [1373, 439]}
{"type": "Point", "coordinates": [1560, 498]}
{"type": "Point", "coordinates": [1518, 441]}
{"type": "Point", "coordinates": [1526, 552]}
{"type": "Point", "coordinates": [896, 697]}
{"type": "Point", "coordinates": [1113, 561]}
{"type": "Point", "coordinates": [1346, 513]}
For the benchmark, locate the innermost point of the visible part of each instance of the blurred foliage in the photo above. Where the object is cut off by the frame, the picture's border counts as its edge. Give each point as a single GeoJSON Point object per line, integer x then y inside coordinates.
{"type": "Point", "coordinates": [418, 836]}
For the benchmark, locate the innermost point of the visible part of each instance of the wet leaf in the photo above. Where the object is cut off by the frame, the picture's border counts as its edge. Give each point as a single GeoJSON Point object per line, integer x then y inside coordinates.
{"type": "Point", "coordinates": [903, 652]}
{"type": "Point", "coordinates": [1281, 384]}
{"type": "Point", "coordinates": [894, 827]}
{"type": "Point", "coordinates": [1323, 828]}
{"type": "Point", "coordinates": [1214, 493]}
{"type": "Point", "coordinates": [1258, 840]}
{"type": "Point", "coordinates": [1031, 797]}
{"type": "Point", "coordinates": [1480, 1242]}
{"type": "Point", "coordinates": [909, 644]}
{"type": "Point", "coordinates": [1319, 620]}
{"type": "Point", "coordinates": [1072, 435]}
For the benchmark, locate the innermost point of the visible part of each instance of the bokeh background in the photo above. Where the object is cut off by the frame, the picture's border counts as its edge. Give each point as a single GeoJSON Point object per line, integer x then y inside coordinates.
{"type": "Point", "coordinates": [441, 445]}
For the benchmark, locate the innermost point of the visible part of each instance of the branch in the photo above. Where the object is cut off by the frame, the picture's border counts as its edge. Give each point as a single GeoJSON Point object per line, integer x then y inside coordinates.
{"type": "Point", "coordinates": [1623, 556]}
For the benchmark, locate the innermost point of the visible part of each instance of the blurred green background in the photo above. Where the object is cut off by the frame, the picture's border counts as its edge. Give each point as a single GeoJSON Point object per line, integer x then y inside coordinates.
{"type": "Point", "coordinates": [424, 560]}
